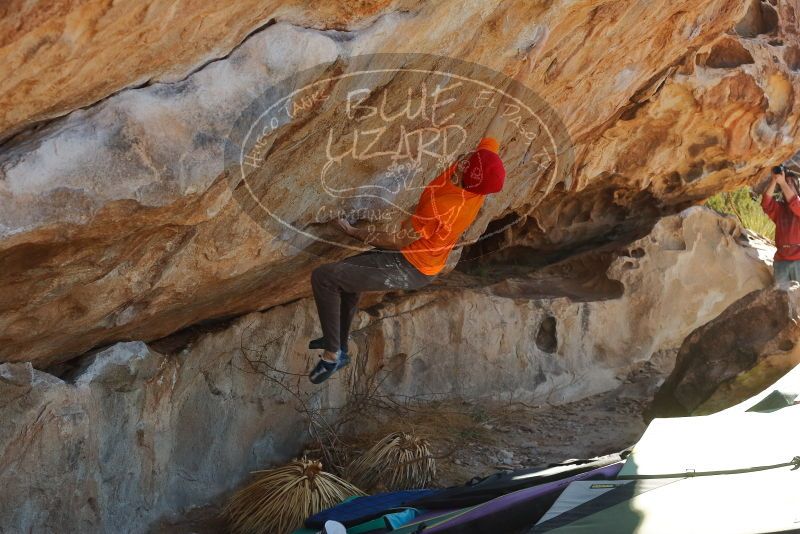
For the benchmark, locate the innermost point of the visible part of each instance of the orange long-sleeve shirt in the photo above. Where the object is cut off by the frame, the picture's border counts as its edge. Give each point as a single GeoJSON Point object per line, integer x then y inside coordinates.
{"type": "Point", "coordinates": [443, 213]}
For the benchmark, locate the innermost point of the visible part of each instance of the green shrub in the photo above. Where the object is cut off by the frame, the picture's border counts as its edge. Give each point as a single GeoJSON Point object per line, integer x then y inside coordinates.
{"type": "Point", "coordinates": [740, 204]}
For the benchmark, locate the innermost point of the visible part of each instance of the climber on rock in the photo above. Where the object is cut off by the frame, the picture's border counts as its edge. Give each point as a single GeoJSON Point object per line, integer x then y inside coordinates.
{"type": "Point", "coordinates": [410, 257]}
{"type": "Point", "coordinates": [785, 213]}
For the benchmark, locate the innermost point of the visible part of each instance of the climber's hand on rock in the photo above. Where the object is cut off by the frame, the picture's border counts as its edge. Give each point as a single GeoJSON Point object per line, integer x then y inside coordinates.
{"type": "Point", "coordinates": [525, 62]}
{"type": "Point", "coordinates": [528, 57]}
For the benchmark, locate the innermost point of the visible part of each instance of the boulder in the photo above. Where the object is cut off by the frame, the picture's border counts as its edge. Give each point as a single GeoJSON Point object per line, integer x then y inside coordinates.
{"type": "Point", "coordinates": [738, 354]}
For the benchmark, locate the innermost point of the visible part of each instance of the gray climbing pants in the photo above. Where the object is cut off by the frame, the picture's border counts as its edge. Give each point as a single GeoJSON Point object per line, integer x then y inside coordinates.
{"type": "Point", "coordinates": [337, 287]}
{"type": "Point", "coordinates": [786, 271]}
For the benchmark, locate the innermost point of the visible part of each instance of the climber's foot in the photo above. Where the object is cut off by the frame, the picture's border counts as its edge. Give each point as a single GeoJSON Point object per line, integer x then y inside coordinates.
{"type": "Point", "coordinates": [328, 364]}
{"type": "Point", "coordinates": [319, 343]}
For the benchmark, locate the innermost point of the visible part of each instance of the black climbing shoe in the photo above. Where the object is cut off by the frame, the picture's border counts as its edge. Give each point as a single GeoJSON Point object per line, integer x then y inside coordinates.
{"type": "Point", "coordinates": [324, 369]}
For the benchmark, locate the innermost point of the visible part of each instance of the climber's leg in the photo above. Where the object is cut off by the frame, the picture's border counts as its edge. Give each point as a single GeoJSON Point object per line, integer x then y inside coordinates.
{"type": "Point", "coordinates": [346, 314]}
{"type": "Point", "coordinates": [348, 308]}
{"type": "Point", "coordinates": [327, 297]}
{"type": "Point", "coordinates": [336, 288]}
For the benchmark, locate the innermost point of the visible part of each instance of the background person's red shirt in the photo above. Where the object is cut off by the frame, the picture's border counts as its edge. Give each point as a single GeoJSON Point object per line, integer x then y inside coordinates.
{"type": "Point", "coordinates": [787, 226]}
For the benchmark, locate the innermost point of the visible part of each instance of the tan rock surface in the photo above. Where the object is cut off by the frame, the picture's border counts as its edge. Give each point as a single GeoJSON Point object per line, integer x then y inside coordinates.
{"type": "Point", "coordinates": [116, 221]}
{"type": "Point", "coordinates": [58, 56]}
{"type": "Point", "coordinates": [131, 435]}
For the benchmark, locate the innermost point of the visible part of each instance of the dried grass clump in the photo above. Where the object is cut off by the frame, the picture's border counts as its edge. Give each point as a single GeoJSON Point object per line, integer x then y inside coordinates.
{"type": "Point", "coordinates": [279, 500]}
{"type": "Point", "coordinates": [398, 461]}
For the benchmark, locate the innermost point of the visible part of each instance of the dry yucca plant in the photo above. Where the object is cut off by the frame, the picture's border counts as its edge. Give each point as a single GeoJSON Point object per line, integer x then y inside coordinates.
{"type": "Point", "coordinates": [398, 461]}
{"type": "Point", "coordinates": [280, 499]}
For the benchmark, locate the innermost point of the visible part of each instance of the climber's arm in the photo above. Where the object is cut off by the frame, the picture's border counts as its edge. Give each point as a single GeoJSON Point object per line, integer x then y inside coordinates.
{"type": "Point", "coordinates": [506, 108]}
{"type": "Point", "coordinates": [768, 204]}
{"type": "Point", "coordinates": [788, 191]}
{"type": "Point", "coordinates": [388, 240]}
{"type": "Point", "coordinates": [790, 194]}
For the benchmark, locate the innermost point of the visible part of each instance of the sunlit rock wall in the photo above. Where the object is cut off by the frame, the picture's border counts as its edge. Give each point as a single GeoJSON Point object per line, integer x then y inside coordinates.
{"type": "Point", "coordinates": [117, 220]}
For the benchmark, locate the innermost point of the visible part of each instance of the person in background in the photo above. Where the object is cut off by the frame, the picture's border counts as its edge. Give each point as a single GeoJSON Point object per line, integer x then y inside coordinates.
{"type": "Point", "coordinates": [785, 213]}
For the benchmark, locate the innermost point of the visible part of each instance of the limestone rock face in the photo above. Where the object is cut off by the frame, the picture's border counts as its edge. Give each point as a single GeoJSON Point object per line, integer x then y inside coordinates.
{"type": "Point", "coordinates": [131, 435]}
{"type": "Point", "coordinates": [117, 221]}
{"type": "Point", "coordinates": [750, 345]}
{"type": "Point", "coordinates": [58, 58]}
